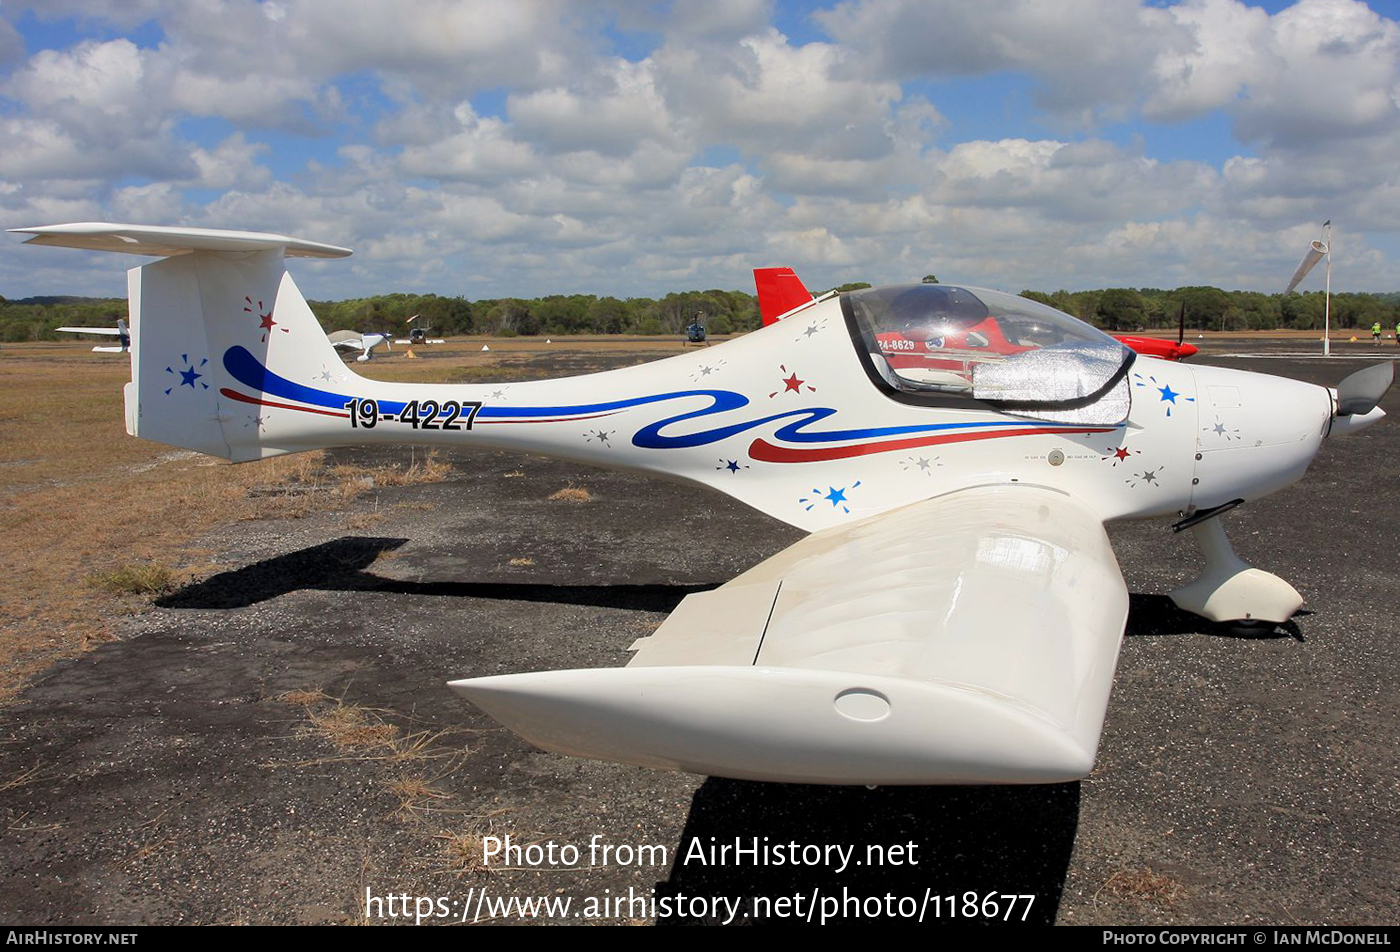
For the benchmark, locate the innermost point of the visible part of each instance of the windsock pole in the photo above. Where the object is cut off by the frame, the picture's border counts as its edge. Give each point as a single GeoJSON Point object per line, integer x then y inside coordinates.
{"type": "Point", "coordinates": [1327, 298]}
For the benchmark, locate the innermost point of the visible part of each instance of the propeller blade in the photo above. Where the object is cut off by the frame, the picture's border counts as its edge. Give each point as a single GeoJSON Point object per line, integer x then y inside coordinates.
{"type": "Point", "coordinates": [1360, 392]}
{"type": "Point", "coordinates": [1181, 323]}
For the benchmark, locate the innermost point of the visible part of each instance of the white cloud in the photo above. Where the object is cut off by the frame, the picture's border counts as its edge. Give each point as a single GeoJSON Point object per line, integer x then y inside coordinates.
{"type": "Point", "coordinates": [1319, 70]}
{"type": "Point", "coordinates": [726, 146]}
{"type": "Point", "coordinates": [233, 163]}
{"type": "Point", "coordinates": [1087, 55]}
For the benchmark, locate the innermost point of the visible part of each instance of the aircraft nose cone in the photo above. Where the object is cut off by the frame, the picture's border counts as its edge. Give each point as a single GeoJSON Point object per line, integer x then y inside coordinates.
{"type": "Point", "coordinates": [1257, 433]}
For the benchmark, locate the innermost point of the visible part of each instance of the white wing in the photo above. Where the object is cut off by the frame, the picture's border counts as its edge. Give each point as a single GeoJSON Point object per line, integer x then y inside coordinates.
{"type": "Point", "coordinates": [970, 638]}
{"type": "Point", "coordinates": [346, 340]}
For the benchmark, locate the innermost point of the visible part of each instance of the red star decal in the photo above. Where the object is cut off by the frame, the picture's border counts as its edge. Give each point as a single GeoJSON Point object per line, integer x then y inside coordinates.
{"type": "Point", "coordinates": [266, 322]}
{"type": "Point", "coordinates": [792, 384]}
{"type": "Point", "coordinates": [1121, 453]}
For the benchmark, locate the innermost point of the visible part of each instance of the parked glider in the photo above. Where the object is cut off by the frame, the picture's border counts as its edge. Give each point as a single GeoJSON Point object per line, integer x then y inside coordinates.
{"type": "Point", "coordinates": [955, 614]}
{"type": "Point", "coordinates": [781, 292]}
{"type": "Point", "coordinates": [120, 332]}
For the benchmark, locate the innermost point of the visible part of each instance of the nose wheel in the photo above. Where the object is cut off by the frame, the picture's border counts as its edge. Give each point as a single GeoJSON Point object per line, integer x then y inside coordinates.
{"type": "Point", "coordinates": [1231, 590]}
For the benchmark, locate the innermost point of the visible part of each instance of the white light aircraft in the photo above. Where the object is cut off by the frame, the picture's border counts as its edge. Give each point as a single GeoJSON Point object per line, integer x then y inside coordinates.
{"type": "Point", "coordinates": [357, 343]}
{"type": "Point", "coordinates": [120, 332]}
{"type": "Point", "coordinates": [955, 614]}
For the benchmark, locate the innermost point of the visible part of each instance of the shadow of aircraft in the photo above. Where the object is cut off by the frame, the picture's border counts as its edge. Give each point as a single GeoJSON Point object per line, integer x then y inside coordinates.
{"type": "Point", "coordinates": [341, 565]}
{"type": "Point", "coordinates": [917, 847]}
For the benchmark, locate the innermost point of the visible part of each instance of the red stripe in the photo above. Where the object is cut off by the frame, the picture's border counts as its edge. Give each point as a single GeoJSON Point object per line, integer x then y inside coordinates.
{"type": "Point", "coordinates": [766, 452]}
{"type": "Point", "coordinates": [591, 416]}
{"type": "Point", "coordinates": [235, 395]}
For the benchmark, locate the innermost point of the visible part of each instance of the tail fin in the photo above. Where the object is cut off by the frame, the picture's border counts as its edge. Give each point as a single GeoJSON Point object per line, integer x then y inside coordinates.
{"type": "Point", "coordinates": [779, 291]}
{"type": "Point", "coordinates": [209, 324]}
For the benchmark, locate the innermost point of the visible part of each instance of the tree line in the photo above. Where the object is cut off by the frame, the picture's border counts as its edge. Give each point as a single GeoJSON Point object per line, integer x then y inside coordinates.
{"type": "Point", "coordinates": [725, 312]}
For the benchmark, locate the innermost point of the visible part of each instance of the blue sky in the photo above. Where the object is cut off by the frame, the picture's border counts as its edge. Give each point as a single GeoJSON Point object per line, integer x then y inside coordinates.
{"type": "Point", "coordinates": [613, 147]}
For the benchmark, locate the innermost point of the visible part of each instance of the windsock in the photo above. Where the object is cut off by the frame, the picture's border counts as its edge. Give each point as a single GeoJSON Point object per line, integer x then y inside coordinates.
{"type": "Point", "coordinates": [1316, 251]}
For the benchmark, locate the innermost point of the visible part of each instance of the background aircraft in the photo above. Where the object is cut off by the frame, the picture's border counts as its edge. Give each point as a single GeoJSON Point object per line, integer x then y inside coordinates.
{"type": "Point", "coordinates": [355, 342]}
{"type": "Point", "coordinates": [120, 332]}
{"type": "Point", "coordinates": [419, 335]}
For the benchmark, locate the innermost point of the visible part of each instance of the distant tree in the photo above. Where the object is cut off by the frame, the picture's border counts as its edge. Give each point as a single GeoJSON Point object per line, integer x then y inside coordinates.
{"type": "Point", "coordinates": [607, 315]}
{"type": "Point", "coordinates": [1206, 307]}
{"type": "Point", "coordinates": [930, 279]}
{"type": "Point", "coordinates": [1121, 309]}
{"type": "Point", "coordinates": [1303, 311]}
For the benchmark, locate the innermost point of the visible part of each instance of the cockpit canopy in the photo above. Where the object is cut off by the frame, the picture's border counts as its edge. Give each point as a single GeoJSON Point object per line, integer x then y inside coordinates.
{"type": "Point", "coordinates": [934, 343]}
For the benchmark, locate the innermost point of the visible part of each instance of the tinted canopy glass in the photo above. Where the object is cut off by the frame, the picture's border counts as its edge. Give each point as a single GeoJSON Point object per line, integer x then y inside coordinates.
{"type": "Point", "coordinates": [991, 346]}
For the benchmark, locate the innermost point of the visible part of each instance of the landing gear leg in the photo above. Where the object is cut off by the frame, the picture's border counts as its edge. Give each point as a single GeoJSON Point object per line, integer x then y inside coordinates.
{"type": "Point", "coordinates": [1229, 589]}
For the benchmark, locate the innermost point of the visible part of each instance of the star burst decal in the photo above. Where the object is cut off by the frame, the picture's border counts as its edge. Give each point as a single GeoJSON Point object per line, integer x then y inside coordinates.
{"type": "Point", "coordinates": [706, 369]}
{"type": "Point", "coordinates": [327, 375]}
{"type": "Point", "coordinates": [1118, 454]}
{"type": "Point", "coordinates": [732, 465]}
{"type": "Point", "coordinates": [1222, 429]}
{"type": "Point", "coordinates": [602, 436]}
{"type": "Point", "coordinates": [189, 375]}
{"type": "Point", "coordinates": [791, 383]}
{"type": "Point", "coordinates": [835, 496]}
{"type": "Point", "coordinates": [919, 464]}
{"type": "Point", "coordinates": [812, 329]}
{"type": "Point", "coordinates": [265, 321]}
{"type": "Point", "coordinates": [1148, 477]}
{"type": "Point", "coordinates": [1165, 393]}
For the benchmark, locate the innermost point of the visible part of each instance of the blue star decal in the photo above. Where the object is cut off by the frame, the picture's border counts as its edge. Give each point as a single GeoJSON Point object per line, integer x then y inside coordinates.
{"type": "Point", "coordinates": [1166, 393]}
{"type": "Point", "coordinates": [188, 375]}
{"type": "Point", "coordinates": [837, 497]}
{"type": "Point", "coordinates": [732, 466]}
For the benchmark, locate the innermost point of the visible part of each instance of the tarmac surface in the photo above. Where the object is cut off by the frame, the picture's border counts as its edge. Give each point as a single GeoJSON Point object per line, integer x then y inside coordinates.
{"type": "Point", "coordinates": [166, 777]}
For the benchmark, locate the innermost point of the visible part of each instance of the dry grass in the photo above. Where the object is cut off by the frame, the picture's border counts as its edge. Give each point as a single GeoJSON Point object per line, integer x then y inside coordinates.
{"type": "Point", "coordinates": [461, 850]}
{"type": "Point", "coordinates": [305, 697]}
{"type": "Point", "coordinates": [514, 474]}
{"type": "Point", "coordinates": [417, 796]}
{"type": "Point", "coordinates": [365, 733]}
{"type": "Point", "coordinates": [420, 468]}
{"type": "Point", "coordinates": [144, 579]}
{"type": "Point", "coordinates": [522, 561]}
{"type": "Point", "coordinates": [363, 520]}
{"type": "Point", "coordinates": [1142, 885]}
{"type": "Point", "coordinates": [20, 780]}
{"type": "Point", "coordinates": [572, 493]}
{"type": "Point", "coordinates": [417, 761]}
{"type": "Point", "coordinates": [353, 728]}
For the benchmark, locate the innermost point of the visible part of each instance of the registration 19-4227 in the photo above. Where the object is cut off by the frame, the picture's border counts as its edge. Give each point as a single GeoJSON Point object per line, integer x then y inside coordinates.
{"type": "Point", "coordinates": [418, 414]}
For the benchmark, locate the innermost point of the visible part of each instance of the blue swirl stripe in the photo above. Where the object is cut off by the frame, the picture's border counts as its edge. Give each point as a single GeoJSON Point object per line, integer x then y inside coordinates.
{"type": "Point", "coordinates": [247, 370]}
